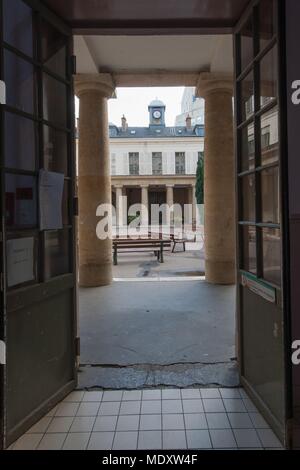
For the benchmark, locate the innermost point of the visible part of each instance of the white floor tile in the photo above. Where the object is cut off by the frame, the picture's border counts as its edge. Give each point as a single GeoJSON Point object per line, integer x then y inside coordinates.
{"type": "Point", "coordinates": [246, 438]}
{"type": "Point", "coordinates": [88, 409]}
{"type": "Point", "coordinates": [60, 425]}
{"type": "Point", "coordinates": [151, 407]}
{"type": "Point", "coordinates": [198, 440]}
{"type": "Point", "coordinates": [268, 438]}
{"type": "Point", "coordinates": [172, 422]}
{"type": "Point", "coordinates": [113, 395]}
{"type": "Point", "coordinates": [28, 442]}
{"type": "Point", "coordinates": [174, 440]}
{"type": "Point", "coordinates": [75, 396]}
{"type": "Point", "coordinates": [172, 406]}
{"type": "Point", "coordinates": [52, 441]}
{"type": "Point", "coordinates": [192, 406]}
{"type": "Point", "coordinates": [171, 394]}
{"type": "Point", "coordinates": [150, 440]}
{"type": "Point", "coordinates": [125, 441]}
{"type": "Point", "coordinates": [151, 395]}
{"type": "Point", "coordinates": [67, 409]}
{"type": "Point", "coordinates": [105, 423]}
{"type": "Point", "coordinates": [41, 426]}
{"type": "Point", "coordinates": [250, 407]}
{"type": "Point", "coordinates": [150, 422]}
{"type": "Point", "coordinates": [190, 393]}
{"type": "Point", "coordinates": [109, 409]}
{"type": "Point", "coordinates": [132, 395]}
{"type": "Point", "coordinates": [258, 421]}
{"type": "Point", "coordinates": [222, 439]}
{"type": "Point", "coordinates": [230, 393]}
{"type": "Point", "coordinates": [210, 393]}
{"type": "Point", "coordinates": [83, 424]}
{"type": "Point", "coordinates": [92, 396]}
{"type": "Point", "coordinates": [240, 420]}
{"type": "Point", "coordinates": [213, 405]}
{"type": "Point", "coordinates": [195, 421]}
{"type": "Point", "coordinates": [130, 408]}
{"type": "Point", "coordinates": [217, 421]}
{"type": "Point", "coordinates": [76, 441]}
{"type": "Point", "coordinates": [52, 412]}
{"type": "Point", "coordinates": [101, 441]}
{"type": "Point", "coordinates": [234, 405]}
{"type": "Point", "coordinates": [128, 423]}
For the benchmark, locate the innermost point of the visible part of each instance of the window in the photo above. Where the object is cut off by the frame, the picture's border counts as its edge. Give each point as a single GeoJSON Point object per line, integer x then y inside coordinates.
{"type": "Point", "coordinates": [157, 163]}
{"type": "Point", "coordinates": [180, 163]}
{"type": "Point", "coordinates": [134, 165]}
{"type": "Point", "coordinates": [113, 164]}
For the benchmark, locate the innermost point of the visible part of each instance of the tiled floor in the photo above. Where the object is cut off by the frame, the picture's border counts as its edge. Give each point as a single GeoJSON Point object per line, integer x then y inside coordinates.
{"type": "Point", "coordinates": [152, 419]}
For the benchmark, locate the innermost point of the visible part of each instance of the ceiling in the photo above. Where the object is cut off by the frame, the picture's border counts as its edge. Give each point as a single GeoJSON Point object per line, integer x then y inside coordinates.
{"type": "Point", "coordinates": [184, 57]}
{"type": "Point", "coordinates": [128, 16]}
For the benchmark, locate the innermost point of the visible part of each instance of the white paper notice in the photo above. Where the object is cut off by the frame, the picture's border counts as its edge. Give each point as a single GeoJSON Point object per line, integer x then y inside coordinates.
{"type": "Point", "coordinates": [20, 261]}
{"type": "Point", "coordinates": [51, 186]}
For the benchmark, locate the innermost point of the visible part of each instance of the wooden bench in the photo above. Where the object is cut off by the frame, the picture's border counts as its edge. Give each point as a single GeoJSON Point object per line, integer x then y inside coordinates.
{"type": "Point", "coordinates": [130, 245]}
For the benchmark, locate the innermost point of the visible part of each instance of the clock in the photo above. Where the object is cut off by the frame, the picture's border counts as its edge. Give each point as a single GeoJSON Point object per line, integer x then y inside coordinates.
{"type": "Point", "coordinates": [157, 114]}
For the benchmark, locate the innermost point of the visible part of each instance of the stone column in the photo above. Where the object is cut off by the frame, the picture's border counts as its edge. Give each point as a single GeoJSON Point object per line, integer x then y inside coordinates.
{"type": "Point", "coordinates": [219, 178]}
{"type": "Point", "coordinates": [119, 206]}
{"type": "Point", "coordinates": [145, 205]}
{"type": "Point", "coordinates": [94, 184]}
{"type": "Point", "coordinates": [193, 202]}
{"type": "Point", "coordinates": [170, 203]}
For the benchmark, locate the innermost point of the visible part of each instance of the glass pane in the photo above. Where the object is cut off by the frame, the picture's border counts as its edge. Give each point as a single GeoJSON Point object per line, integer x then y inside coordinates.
{"type": "Point", "coordinates": [65, 203]}
{"type": "Point", "coordinates": [268, 77]}
{"type": "Point", "coordinates": [249, 249]}
{"type": "Point", "coordinates": [266, 22]}
{"type": "Point", "coordinates": [55, 150]}
{"type": "Point", "coordinates": [157, 163]}
{"type": "Point", "coordinates": [272, 255]}
{"type": "Point", "coordinates": [18, 28]}
{"type": "Point", "coordinates": [20, 86]}
{"type": "Point", "coordinates": [134, 164]}
{"type": "Point", "coordinates": [246, 36]}
{"type": "Point", "coordinates": [20, 142]}
{"type": "Point", "coordinates": [54, 101]}
{"type": "Point", "coordinates": [20, 201]}
{"type": "Point", "coordinates": [270, 195]}
{"type": "Point", "coordinates": [21, 258]}
{"type": "Point", "coordinates": [248, 195]}
{"type": "Point", "coordinates": [269, 137]}
{"type": "Point", "coordinates": [180, 163]}
{"type": "Point", "coordinates": [54, 50]}
{"type": "Point", "coordinates": [56, 253]}
{"type": "Point", "coordinates": [247, 96]}
{"type": "Point", "coordinates": [248, 148]}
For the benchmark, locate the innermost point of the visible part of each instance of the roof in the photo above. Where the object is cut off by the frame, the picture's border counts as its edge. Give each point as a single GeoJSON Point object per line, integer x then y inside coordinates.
{"type": "Point", "coordinates": [157, 104]}
{"type": "Point", "coordinates": [153, 132]}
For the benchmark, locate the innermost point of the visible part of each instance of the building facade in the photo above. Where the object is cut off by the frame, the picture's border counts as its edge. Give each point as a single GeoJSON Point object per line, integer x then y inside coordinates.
{"type": "Point", "coordinates": [155, 164]}
{"type": "Point", "coordinates": [192, 106]}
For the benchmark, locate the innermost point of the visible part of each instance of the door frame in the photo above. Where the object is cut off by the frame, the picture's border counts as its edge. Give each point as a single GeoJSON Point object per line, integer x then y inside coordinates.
{"type": "Point", "coordinates": [58, 284]}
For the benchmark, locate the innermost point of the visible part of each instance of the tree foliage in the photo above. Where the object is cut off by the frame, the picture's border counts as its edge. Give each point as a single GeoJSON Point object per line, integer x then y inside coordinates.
{"type": "Point", "coordinates": [200, 180]}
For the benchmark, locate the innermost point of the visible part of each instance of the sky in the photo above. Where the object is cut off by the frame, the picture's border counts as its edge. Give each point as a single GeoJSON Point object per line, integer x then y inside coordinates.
{"type": "Point", "coordinates": [133, 103]}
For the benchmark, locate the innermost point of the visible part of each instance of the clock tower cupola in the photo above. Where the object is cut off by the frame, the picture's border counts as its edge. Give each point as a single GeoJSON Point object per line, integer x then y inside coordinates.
{"type": "Point", "coordinates": [157, 111]}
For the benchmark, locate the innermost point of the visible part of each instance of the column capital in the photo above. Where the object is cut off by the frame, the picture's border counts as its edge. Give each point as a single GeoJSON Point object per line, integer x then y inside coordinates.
{"type": "Point", "coordinates": [101, 83]}
{"type": "Point", "coordinates": [210, 82]}
{"type": "Point", "coordinates": [118, 186]}
{"type": "Point", "coordinates": [145, 186]}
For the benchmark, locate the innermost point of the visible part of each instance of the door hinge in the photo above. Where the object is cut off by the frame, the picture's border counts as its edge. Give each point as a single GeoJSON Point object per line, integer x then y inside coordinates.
{"type": "Point", "coordinates": [73, 62]}
{"type": "Point", "coordinates": [2, 353]}
{"type": "Point", "coordinates": [2, 92]}
{"type": "Point", "coordinates": [77, 346]}
{"type": "Point", "coordinates": [75, 207]}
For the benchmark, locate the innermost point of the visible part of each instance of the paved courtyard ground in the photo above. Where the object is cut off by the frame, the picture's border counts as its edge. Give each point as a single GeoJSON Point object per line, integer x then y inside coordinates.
{"type": "Point", "coordinates": [158, 324]}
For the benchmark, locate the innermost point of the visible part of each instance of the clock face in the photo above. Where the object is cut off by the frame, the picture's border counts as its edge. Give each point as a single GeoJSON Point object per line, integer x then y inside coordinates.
{"type": "Point", "coordinates": [157, 114]}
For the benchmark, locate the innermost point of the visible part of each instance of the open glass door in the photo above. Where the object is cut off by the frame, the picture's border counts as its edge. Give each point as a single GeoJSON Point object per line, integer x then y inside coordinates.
{"type": "Point", "coordinates": [38, 319]}
{"type": "Point", "coordinates": [259, 182]}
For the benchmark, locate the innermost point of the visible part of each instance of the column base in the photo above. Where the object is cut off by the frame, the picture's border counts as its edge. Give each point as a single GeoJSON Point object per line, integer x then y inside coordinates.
{"type": "Point", "coordinates": [95, 275]}
{"type": "Point", "coordinates": [220, 272]}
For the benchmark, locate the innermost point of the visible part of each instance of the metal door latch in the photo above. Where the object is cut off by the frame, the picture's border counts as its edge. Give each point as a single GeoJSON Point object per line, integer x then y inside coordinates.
{"type": "Point", "coordinates": [2, 92]}
{"type": "Point", "coordinates": [2, 353]}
